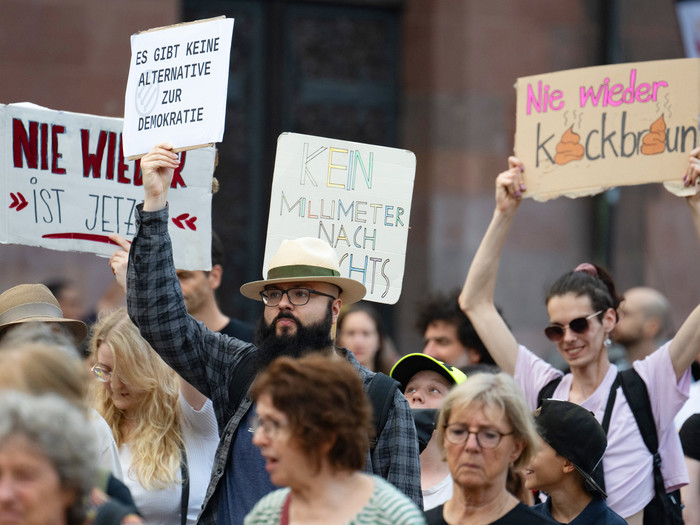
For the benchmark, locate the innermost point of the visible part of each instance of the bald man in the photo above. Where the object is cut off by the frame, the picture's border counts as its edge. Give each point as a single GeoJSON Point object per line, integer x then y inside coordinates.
{"type": "Point", "coordinates": [644, 323]}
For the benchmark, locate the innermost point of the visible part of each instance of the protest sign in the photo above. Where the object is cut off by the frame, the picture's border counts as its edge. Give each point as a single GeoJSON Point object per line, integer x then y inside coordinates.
{"type": "Point", "coordinates": [177, 86]}
{"type": "Point", "coordinates": [65, 185]}
{"type": "Point", "coordinates": [356, 197]}
{"type": "Point", "coordinates": [581, 131]}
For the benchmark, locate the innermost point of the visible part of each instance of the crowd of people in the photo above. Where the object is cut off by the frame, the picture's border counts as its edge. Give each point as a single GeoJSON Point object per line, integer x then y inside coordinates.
{"type": "Point", "coordinates": [169, 411]}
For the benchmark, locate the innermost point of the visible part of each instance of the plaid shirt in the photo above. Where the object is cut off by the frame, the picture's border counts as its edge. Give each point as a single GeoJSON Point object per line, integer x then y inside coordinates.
{"type": "Point", "coordinates": [207, 359]}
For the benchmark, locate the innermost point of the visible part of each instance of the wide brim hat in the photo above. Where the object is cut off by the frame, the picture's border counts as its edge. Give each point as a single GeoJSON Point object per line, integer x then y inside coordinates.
{"type": "Point", "coordinates": [27, 303]}
{"type": "Point", "coordinates": [306, 259]}
{"type": "Point", "coordinates": [574, 433]}
{"type": "Point", "coordinates": [410, 364]}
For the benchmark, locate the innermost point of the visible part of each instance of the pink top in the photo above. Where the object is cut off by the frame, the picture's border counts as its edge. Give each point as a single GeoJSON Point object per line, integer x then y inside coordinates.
{"type": "Point", "coordinates": [627, 462]}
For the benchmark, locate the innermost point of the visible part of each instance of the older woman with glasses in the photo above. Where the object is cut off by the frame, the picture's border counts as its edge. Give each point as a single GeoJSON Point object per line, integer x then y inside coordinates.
{"type": "Point", "coordinates": [312, 425]}
{"type": "Point", "coordinates": [166, 430]}
{"type": "Point", "coordinates": [582, 306]}
{"type": "Point", "coordinates": [484, 428]}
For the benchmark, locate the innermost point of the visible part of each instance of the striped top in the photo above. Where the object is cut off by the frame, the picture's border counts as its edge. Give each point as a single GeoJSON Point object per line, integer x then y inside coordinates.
{"type": "Point", "coordinates": [387, 506]}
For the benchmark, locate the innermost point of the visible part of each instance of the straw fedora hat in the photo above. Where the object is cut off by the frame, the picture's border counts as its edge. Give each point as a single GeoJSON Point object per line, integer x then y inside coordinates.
{"type": "Point", "coordinates": [306, 259]}
{"type": "Point", "coordinates": [35, 303]}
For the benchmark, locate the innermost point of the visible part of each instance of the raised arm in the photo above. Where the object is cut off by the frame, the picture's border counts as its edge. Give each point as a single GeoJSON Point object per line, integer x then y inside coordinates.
{"type": "Point", "coordinates": [476, 299]}
{"type": "Point", "coordinates": [685, 346]}
{"type": "Point", "coordinates": [158, 167]}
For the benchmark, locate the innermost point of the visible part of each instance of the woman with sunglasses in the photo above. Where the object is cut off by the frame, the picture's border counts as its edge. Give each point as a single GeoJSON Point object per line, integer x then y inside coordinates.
{"type": "Point", "coordinates": [166, 431]}
{"type": "Point", "coordinates": [484, 428]}
{"type": "Point", "coordinates": [582, 307]}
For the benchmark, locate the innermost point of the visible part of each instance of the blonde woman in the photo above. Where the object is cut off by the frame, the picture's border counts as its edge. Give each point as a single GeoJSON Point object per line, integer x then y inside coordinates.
{"type": "Point", "coordinates": [155, 417]}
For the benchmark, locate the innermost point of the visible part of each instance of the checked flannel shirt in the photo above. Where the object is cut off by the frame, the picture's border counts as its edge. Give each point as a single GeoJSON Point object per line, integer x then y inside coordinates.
{"type": "Point", "coordinates": [206, 360]}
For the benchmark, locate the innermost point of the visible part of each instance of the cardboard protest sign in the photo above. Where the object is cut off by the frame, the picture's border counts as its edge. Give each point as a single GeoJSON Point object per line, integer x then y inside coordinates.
{"type": "Point", "coordinates": [355, 196]}
{"type": "Point", "coordinates": [581, 131]}
{"type": "Point", "coordinates": [178, 81]}
{"type": "Point", "coordinates": [65, 185]}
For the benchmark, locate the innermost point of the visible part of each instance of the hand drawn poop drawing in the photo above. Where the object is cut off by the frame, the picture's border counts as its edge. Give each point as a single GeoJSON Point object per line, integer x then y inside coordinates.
{"type": "Point", "coordinates": [654, 142]}
{"type": "Point", "coordinates": [568, 148]}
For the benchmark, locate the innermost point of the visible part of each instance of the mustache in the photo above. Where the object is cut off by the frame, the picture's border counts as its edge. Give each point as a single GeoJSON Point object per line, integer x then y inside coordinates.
{"type": "Point", "coordinates": [285, 315]}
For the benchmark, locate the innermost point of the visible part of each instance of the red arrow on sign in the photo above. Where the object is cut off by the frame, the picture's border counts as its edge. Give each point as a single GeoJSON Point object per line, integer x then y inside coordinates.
{"type": "Point", "coordinates": [183, 218]}
{"type": "Point", "coordinates": [18, 201]}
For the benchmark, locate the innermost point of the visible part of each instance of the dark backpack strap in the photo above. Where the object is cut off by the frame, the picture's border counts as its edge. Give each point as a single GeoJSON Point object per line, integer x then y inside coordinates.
{"type": "Point", "coordinates": [381, 395]}
{"type": "Point", "coordinates": [243, 375]}
{"type": "Point", "coordinates": [548, 390]}
{"type": "Point", "coordinates": [637, 396]}
{"type": "Point", "coordinates": [185, 496]}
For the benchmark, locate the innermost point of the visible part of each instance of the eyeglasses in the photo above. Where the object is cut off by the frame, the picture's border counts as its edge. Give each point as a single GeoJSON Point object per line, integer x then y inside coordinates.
{"type": "Point", "coordinates": [458, 434]}
{"type": "Point", "coordinates": [296, 296]}
{"type": "Point", "coordinates": [101, 374]}
{"type": "Point", "coordinates": [270, 427]}
{"type": "Point", "coordinates": [579, 325]}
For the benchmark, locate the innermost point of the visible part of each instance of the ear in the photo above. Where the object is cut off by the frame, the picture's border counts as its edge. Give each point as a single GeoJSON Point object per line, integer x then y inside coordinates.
{"type": "Point", "coordinates": [473, 356]}
{"type": "Point", "coordinates": [518, 448]}
{"type": "Point", "coordinates": [609, 320]}
{"type": "Point", "coordinates": [567, 466]}
{"type": "Point", "coordinates": [335, 308]}
{"type": "Point", "coordinates": [215, 275]}
{"type": "Point", "coordinates": [651, 328]}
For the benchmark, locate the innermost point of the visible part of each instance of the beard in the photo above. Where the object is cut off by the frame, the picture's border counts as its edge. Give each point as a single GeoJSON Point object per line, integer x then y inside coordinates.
{"type": "Point", "coordinates": [304, 340]}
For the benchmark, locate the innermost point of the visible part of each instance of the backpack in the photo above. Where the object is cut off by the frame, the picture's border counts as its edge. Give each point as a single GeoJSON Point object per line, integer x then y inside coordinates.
{"type": "Point", "coordinates": [381, 392]}
{"type": "Point", "coordinates": [663, 509]}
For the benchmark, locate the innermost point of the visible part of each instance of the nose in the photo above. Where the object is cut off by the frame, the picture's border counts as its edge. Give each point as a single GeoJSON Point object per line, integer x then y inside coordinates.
{"type": "Point", "coordinates": [431, 349]}
{"type": "Point", "coordinates": [472, 442]}
{"type": "Point", "coordinates": [7, 492]}
{"type": "Point", "coordinates": [284, 301]}
{"type": "Point", "coordinates": [569, 334]}
{"type": "Point", "coordinates": [259, 437]}
{"type": "Point", "coordinates": [416, 398]}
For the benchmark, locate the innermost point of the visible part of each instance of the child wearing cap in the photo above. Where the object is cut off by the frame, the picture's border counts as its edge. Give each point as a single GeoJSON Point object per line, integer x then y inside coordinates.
{"type": "Point", "coordinates": [425, 382]}
{"type": "Point", "coordinates": [567, 465]}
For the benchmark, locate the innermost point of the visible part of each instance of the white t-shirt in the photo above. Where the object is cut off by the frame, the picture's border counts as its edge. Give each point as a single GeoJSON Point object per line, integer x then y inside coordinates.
{"type": "Point", "coordinates": [627, 462]}
{"type": "Point", "coordinates": [106, 446]}
{"type": "Point", "coordinates": [162, 507]}
{"type": "Point", "coordinates": [437, 494]}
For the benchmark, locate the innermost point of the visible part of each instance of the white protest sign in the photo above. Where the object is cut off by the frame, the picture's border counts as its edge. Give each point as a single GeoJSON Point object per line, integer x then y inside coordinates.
{"type": "Point", "coordinates": [65, 185]}
{"type": "Point", "coordinates": [355, 196]}
{"type": "Point", "coordinates": [178, 81]}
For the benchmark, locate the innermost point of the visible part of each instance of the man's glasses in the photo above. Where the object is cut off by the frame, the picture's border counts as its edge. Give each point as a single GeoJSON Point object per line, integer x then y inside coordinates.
{"type": "Point", "coordinates": [296, 296]}
{"type": "Point", "coordinates": [579, 325]}
{"type": "Point", "coordinates": [458, 434]}
{"type": "Point", "coordinates": [101, 374]}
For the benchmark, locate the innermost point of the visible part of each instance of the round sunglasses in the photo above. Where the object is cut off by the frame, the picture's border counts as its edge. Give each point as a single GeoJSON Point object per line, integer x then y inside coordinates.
{"type": "Point", "coordinates": [579, 325]}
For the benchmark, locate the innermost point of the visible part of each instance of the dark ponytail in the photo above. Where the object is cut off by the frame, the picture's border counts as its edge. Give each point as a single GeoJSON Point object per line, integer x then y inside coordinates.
{"type": "Point", "coordinates": [591, 280]}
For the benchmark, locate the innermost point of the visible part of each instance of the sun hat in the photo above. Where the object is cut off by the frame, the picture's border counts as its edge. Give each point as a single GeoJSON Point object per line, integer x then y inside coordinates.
{"type": "Point", "coordinates": [410, 364]}
{"type": "Point", "coordinates": [27, 303]}
{"type": "Point", "coordinates": [306, 259]}
{"type": "Point", "coordinates": [574, 433]}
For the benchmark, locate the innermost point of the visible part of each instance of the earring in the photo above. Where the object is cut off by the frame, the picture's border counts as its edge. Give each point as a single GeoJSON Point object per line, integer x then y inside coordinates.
{"type": "Point", "coordinates": [607, 342]}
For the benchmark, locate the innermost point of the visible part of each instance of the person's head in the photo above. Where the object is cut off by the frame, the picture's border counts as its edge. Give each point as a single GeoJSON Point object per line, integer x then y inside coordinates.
{"type": "Point", "coordinates": [199, 286]}
{"type": "Point", "coordinates": [582, 306]}
{"type": "Point", "coordinates": [27, 303]}
{"type": "Point", "coordinates": [361, 330]}
{"type": "Point", "coordinates": [644, 316]}
{"type": "Point", "coordinates": [135, 384]}
{"type": "Point", "coordinates": [484, 427]}
{"type": "Point", "coordinates": [449, 334]}
{"type": "Point", "coordinates": [572, 443]}
{"type": "Point", "coordinates": [39, 368]}
{"type": "Point", "coordinates": [48, 460]}
{"type": "Point", "coordinates": [68, 296]}
{"type": "Point", "coordinates": [313, 413]}
{"type": "Point", "coordinates": [425, 381]}
{"type": "Point", "coordinates": [303, 294]}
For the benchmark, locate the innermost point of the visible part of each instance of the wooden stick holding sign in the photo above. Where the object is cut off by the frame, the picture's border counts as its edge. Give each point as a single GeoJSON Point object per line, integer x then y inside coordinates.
{"type": "Point", "coordinates": [177, 86]}
{"type": "Point", "coordinates": [582, 131]}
